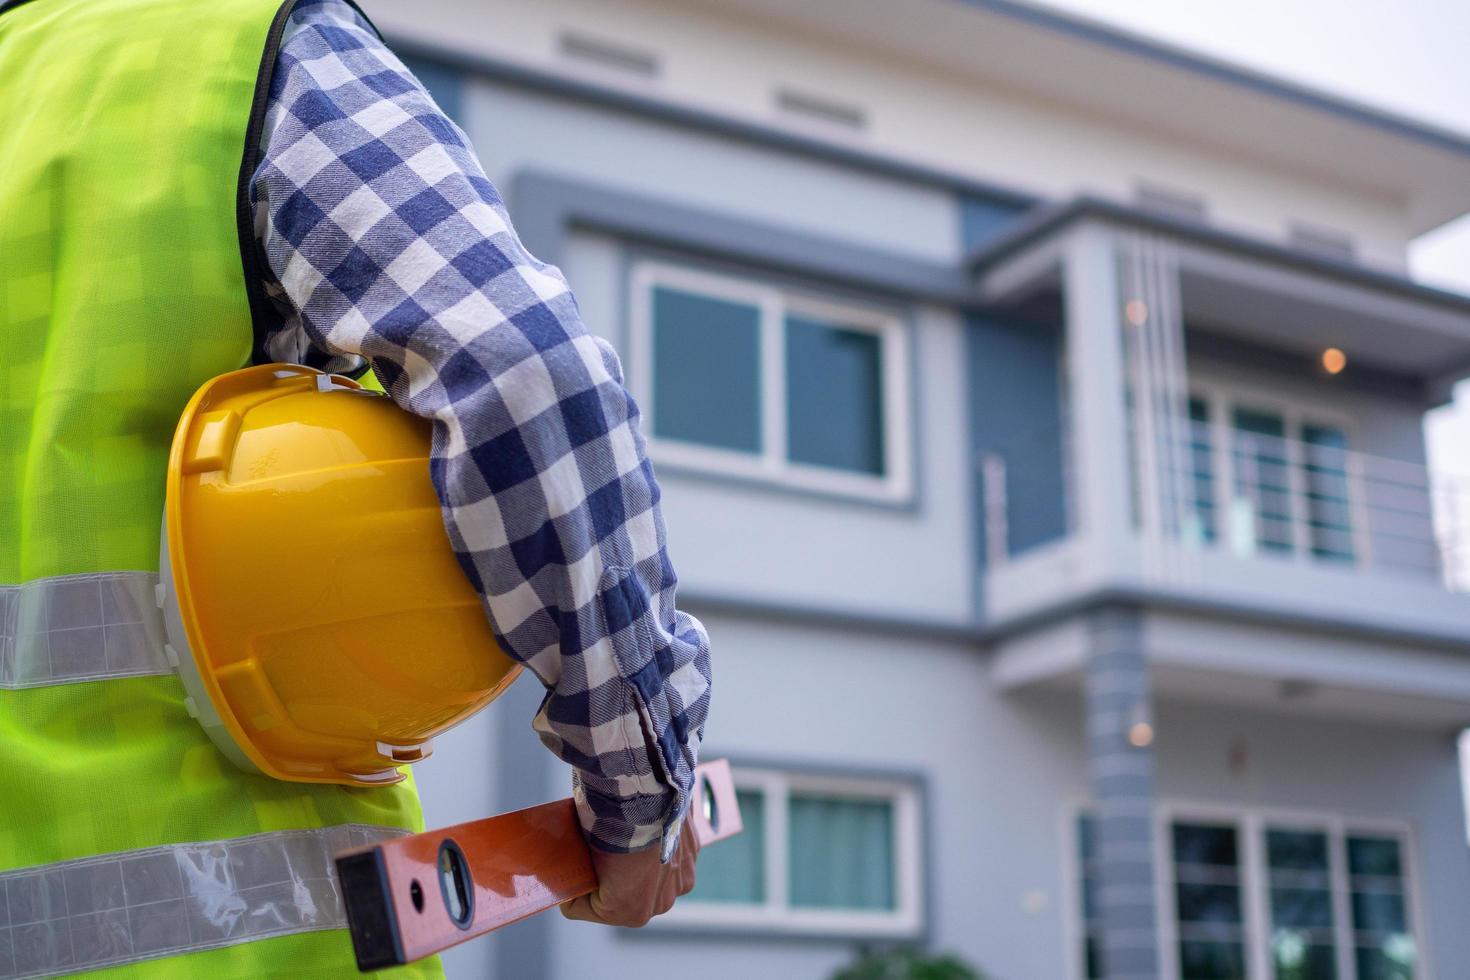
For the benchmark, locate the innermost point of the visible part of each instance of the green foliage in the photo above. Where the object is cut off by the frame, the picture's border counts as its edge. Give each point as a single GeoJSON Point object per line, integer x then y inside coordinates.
{"type": "Point", "coordinates": [907, 964]}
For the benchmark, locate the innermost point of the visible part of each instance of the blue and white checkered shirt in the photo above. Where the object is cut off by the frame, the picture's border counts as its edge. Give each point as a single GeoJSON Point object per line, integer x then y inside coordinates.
{"type": "Point", "coordinates": [386, 241]}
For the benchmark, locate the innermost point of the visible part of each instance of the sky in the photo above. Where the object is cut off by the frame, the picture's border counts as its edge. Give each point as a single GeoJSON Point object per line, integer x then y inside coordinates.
{"type": "Point", "coordinates": [1407, 56]}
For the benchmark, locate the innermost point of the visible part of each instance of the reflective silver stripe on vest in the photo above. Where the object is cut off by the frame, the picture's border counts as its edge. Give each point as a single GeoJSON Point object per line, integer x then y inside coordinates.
{"type": "Point", "coordinates": [80, 628]}
{"type": "Point", "coordinates": [161, 901]}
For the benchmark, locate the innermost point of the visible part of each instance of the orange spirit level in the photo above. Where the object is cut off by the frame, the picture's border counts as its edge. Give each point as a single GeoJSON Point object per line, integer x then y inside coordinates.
{"type": "Point", "coordinates": [416, 896]}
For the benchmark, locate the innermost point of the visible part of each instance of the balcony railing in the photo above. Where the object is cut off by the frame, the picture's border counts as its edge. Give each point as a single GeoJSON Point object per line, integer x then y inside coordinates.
{"type": "Point", "coordinates": [1252, 495]}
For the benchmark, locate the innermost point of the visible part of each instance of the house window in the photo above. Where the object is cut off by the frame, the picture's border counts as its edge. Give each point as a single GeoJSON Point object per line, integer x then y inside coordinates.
{"type": "Point", "coordinates": [707, 370]}
{"type": "Point", "coordinates": [735, 872]}
{"type": "Point", "coordinates": [744, 379]}
{"type": "Point", "coordinates": [841, 853]}
{"type": "Point", "coordinates": [1271, 479]}
{"type": "Point", "coordinates": [1091, 921]}
{"type": "Point", "coordinates": [834, 396]}
{"type": "Point", "coordinates": [1272, 897]}
{"type": "Point", "coordinates": [1299, 879]}
{"type": "Point", "coordinates": [1262, 488]}
{"type": "Point", "coordinates": [1203, 527]}
{"type": "Point", "coordinates": [819, 854]}
{"type": "Point", "coordinates": [1382, 938]}
{"type": "Point", "coordinates": [1210, 914]}
{"type": "Point", "coordinates": [1329, 501]}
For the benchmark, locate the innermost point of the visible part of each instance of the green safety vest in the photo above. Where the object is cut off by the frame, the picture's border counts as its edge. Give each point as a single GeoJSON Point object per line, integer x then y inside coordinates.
{"type": "Point", "coordinates": [128, 842]}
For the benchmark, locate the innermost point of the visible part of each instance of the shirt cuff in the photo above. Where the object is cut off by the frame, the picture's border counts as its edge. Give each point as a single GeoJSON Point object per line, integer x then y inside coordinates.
{"type": "Point", "coordinates": [623, 824]}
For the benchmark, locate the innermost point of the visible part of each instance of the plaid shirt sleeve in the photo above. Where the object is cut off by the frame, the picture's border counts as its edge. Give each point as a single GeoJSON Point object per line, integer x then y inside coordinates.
{"type": "Point", "coordinates": [385, 241]}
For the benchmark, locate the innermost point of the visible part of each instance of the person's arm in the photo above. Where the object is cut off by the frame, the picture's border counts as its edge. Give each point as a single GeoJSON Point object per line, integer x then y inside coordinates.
{"type": "Point", "coordinates": [387, 242]}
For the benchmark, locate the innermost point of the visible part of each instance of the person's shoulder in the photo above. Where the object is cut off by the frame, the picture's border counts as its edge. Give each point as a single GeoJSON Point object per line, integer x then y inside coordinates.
{"type": "Point", "coordinates": [340, 23]}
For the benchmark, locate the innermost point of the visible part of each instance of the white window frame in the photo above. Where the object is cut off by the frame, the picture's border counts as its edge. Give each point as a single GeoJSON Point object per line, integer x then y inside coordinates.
{"type": "Point", "coordinates": [1251, 824]}
{"type": "Point", "coordinates": [1221, 399]}
{"type": "Point", "coordinates": [773, 304]}
{"type": "Point", "coordinates": [776, 914]}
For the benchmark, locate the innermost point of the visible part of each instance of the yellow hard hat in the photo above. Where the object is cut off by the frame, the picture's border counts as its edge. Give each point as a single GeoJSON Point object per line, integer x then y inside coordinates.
{"type": "Point", "coordinates": [314, 607]}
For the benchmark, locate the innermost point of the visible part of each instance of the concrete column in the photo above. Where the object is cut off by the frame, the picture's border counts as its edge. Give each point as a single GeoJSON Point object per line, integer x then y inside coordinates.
{"type": "Point", "coordinates": [1096, 392]}
{"type": "Point", "coordinates": [1117, 697]}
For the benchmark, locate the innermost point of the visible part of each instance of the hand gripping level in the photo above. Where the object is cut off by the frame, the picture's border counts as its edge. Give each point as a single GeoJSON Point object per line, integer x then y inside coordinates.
{"type": "Point", "coordinates": [416, 896]}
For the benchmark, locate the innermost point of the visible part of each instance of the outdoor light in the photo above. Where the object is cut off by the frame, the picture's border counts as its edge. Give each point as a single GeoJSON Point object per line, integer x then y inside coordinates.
{"type": "Point", "coordinates": [1136, 311]}
{"type": "Point", "coordinates": [1140, 728]}
{"type": "Point", "coordinates": [1333, 360]}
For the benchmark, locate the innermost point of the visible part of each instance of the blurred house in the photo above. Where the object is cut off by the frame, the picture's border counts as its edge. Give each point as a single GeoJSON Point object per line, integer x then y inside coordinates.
{"type": "Point", "coordinates": [1039, 415]}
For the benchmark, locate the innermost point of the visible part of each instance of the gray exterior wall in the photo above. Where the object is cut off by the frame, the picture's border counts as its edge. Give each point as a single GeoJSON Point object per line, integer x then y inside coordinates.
{"type": "Point", "coordinates": [997, 773]}
{"type": "Point", "coordinates": [515, 131]}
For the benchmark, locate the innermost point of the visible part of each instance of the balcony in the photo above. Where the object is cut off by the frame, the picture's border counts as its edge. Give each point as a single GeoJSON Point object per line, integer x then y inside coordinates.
{"type": "Point", "coordinates": [1207, 493]}
{"type": "Point", "coordinates": [1203, 458]}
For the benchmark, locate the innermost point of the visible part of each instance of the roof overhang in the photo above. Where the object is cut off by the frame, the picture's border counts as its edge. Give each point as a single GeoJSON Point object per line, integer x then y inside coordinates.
{"type": "Point", "coordinates": [1156, 88]}
{"type": "Point", "coordinates": [1263, 293]}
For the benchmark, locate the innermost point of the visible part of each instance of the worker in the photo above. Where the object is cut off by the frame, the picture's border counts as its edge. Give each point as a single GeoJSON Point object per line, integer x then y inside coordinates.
{"type": "Point", "coordinates": [139, 257]}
